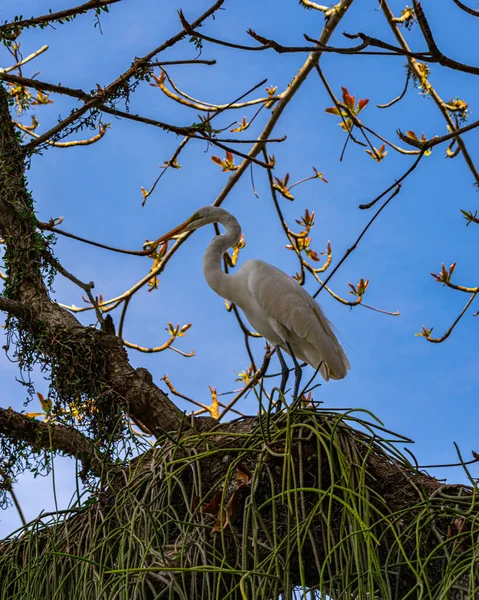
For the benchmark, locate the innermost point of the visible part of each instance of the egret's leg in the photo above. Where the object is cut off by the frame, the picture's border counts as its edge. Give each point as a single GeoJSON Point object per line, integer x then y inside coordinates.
{"type": "Point", "coordinates": [297, 372]}
{"type": "Point", "coordinates": [284, 375]}
{"type": "Point", "coordinates": [284, 369]}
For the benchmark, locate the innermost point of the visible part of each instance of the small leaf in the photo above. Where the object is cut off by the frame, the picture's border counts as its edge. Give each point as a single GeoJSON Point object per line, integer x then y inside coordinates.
{"type": "Point", "coordinates": [243, 475]}
{"type": "Point", "coordinates": [333, 110]}
{"type": "Point", "coordinates": [348, 100]}
{"type": "Point", "coordinates": [362, 103]}
{"type": "Point", "coordinates": [213, 506]}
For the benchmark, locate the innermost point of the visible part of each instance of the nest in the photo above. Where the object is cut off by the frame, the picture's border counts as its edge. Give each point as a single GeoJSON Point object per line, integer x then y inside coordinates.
{"type": "Point", "coordinates": [311, 502]}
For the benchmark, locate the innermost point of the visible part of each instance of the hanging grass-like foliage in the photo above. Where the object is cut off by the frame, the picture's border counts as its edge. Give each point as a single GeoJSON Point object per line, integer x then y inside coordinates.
{"type": "Point", "coordinates": [319, 502]}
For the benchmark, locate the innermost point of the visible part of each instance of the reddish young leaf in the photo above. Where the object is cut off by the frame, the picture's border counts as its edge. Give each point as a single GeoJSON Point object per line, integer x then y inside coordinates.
{"type": "Point", "coordinates": [348, 100]}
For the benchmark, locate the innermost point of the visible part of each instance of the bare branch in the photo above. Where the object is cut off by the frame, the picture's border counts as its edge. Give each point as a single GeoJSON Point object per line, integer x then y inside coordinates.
{"type": "Point", "coordinates": [427, 333]}
{"type": "Point", "coordinates": [16, 26]}
{"type": "Point", "coordinates": [195, 61]}
{"type": "Point", "coordinates": [71, 143]}
{"type": "Point", "coordinates": [470, 11]}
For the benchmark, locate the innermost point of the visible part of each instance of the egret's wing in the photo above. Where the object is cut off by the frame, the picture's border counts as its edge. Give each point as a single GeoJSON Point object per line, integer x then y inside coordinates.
{"type": "Point", "coordinates": [294, 309]}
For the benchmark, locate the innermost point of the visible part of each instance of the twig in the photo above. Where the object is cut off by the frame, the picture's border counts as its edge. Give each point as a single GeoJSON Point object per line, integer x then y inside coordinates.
{"type": "Point", "coordinates": [451, 328]}
{"type": "Point", "coordinates": [401, 95]}
{"type": "Point", "coordinates": [252, 382]}
{"type": "Point", "coordinates": [470, 11]}
{"type": "Point", "coordinates": [188, 399]}
{"type": "Point", "coordinates": [397, 186]}
{"type": "Point", "coordinates": [195, 61]}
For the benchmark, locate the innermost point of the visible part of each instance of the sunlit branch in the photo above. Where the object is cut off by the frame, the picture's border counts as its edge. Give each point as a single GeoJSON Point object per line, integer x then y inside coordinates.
{"type": "Point", "coordinates": [191, 132]}
{"type": "Point", "coordinates": [396, 184]}
{"type": "Point", "coordinates": [206, 408]}
{"type": "Point", "coordinates": [440, 139]}
{"type": "Point", "coordinates": [360, 50]}
{"type": "Point", "coordinates": [161, 348]}
{"type": "Point", "coordinates": [51, 227]}
{"type": "Point", "coordinates": [329, 259]}
{"type": "Point", "coordinates": [188, 130]}
{"type": "Point", "coordinates": [70, 144]}
{"type": "Point", "coordinates": [187, 100]}
{"type": "Point", "coordinates": [462, 288]}
{"type": "Point", "coordinates": [123, 317]}
{"type": "Point", "coordinates": [191, 30]}
{"type": "Point", "coordinates": [433, 56]}
{"type": "Point", "coordinates": [357, 302]}
{"type": "Point", "coordinates": [312, 5]}
{"type": "Point", "coordinates": [25, 60]}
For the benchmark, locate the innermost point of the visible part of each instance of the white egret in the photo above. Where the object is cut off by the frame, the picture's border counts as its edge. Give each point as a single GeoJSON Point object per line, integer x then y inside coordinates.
{"type": "Point", "coordinates": [274, 303]}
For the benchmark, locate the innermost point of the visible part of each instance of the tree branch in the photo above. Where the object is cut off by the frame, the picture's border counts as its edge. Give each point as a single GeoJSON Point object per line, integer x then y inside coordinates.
{"type": "Point", "coordinates": [14, 26]}
{"type": "Point", "coordinates": [40, 435]}
{"type": "Point", "coordinates": [14, 308]}
{"type": "Point", "coordinates": [470, 11]}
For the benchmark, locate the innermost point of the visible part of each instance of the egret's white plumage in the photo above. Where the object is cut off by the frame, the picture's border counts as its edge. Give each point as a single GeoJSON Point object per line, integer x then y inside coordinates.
{"type": "Point", "coordinates": [275, 304]}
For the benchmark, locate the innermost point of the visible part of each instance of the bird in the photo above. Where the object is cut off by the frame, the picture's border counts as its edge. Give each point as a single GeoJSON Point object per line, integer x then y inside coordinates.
{"type": "Point", "coordinates": [274, 303]}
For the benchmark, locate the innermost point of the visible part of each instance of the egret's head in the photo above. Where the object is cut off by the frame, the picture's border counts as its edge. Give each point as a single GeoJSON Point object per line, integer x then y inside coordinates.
{"type": "Point", "coordinates": [203, 216]}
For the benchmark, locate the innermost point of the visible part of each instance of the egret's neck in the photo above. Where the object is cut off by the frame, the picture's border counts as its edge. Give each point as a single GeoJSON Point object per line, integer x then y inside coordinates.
{"type": "Point", "coordinates": [219, 281]}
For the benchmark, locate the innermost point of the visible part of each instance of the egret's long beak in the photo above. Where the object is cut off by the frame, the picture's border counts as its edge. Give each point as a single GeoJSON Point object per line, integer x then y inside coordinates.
{"type": "Point", "coordinates": [164, 238]}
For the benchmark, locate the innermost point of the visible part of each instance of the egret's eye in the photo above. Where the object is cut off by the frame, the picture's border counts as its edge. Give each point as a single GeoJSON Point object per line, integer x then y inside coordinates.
{"type": "Point", "coordinates": [195, 216]}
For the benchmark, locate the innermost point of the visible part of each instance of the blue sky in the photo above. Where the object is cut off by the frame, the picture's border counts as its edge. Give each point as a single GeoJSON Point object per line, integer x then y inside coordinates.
{"type": "Point", "coordinates": [421, 390]}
